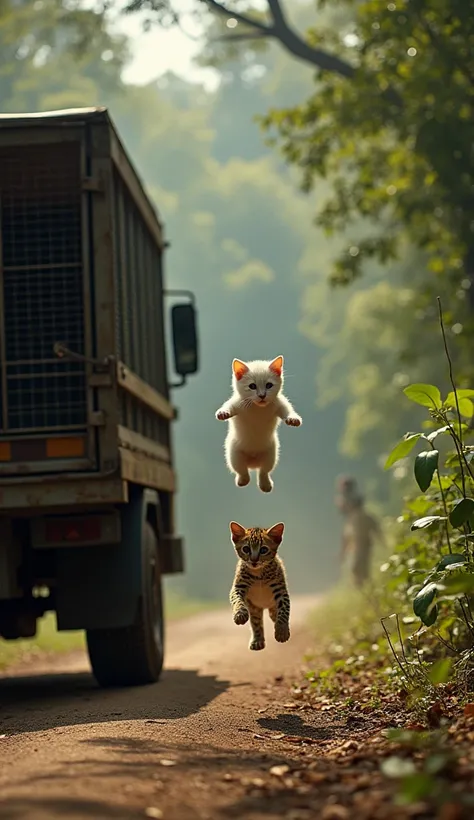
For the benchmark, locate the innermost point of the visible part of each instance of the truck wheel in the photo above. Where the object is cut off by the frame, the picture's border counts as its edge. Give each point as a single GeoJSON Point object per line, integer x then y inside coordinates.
{"type": "Point", "coordinates": [133, 656]}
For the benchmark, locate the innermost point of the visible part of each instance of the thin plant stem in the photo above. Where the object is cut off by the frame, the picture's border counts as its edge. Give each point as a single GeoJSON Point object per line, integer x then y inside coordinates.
{"type": "Point", "coordinates": [457, 439]}
{"type": "Point", "coordinates": [445, 506]}
{"type": "Point", "coordinates": [468, 623]}
{"type": "Point", "coordinates": [447, 644]}
{"type": "Point", "coordinates": [450, 365]}
{"type": "Point", "coordinates": [458, 442]}
{"type": "Point", "coordinates": [404, 672]}
{"type": "Point", "coordinates": [397, 620]}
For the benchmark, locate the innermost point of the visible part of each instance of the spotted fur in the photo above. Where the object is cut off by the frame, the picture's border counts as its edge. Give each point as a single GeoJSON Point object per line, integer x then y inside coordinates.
{"type": "Point", "coordinates": [260, 582]}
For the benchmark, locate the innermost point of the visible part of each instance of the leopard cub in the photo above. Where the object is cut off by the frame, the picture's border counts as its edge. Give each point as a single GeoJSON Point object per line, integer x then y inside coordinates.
{"type": "Point", "coordinates": [260, 582]}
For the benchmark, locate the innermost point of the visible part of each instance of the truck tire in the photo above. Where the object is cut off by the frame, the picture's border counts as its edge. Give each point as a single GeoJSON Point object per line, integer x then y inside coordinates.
{"type": "Point", "coordinates": [133, 656]}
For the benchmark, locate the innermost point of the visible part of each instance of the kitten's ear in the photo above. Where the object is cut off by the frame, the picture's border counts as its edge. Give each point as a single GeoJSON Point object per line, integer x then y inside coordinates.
{"type": "Point", "coordinates": [236, 531]}
{"type": "Point", "coordinates": [276, 533]}
{"type": "Point", "coordinates": [239, 369]}
{"type": "Point", "coordinates": [276, 366]}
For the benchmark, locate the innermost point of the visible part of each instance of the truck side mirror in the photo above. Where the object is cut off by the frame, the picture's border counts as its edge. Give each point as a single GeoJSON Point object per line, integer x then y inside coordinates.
{"type": "Point", "coordinates": [185, 344]}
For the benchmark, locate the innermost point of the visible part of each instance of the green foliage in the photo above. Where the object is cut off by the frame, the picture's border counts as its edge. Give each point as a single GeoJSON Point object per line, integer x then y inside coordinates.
{"type": "Point", "coordinates": [392, 148]}
{"type": "Point", "coordinates": [56, 53]}
{"type": "Point", "coordinates": [396, 137]}
{"type": "Point", "coordinates": [427, 521]}
{"type": "Point", "coordinates": [462, 512]}
{"type": "Point", "coordinates": [426, 394]}
{"type": "Point", "coordinates": [402, 449]}
{"type": "Point", "coordinates": [453, 576]}
{"type": "Point", "coordinates": [426, 464]}
{"type": "Point", "coordinates": [424, 605]}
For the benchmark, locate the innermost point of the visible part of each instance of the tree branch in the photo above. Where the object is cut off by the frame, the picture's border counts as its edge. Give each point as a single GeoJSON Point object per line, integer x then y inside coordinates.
{"type": "Point", "coordinates": [239, 38]}
{"type": "Point", "coordinates": [288, 37]}
{"type": "Point", "coordinates": [295, 44]}
{"type": "Point", "coordinates": [242, 18]}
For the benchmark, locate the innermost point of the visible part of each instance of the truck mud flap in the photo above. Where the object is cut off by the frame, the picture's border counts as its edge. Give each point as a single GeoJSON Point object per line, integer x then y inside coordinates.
{"type": "Point", "coordinates": [171, 554]}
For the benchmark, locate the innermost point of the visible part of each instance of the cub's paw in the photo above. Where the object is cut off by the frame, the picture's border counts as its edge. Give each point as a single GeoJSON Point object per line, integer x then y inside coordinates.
{"type": "Point", "coordinates": [256, 645]}
{"type": "Point", "coordinates": [242, 480]}
{"type": "Point", "coordinates": [282, 633]}
{"type": "Point", "coordinates": [222, 415]}
{"type": "Point", "coordinates": [241, 617]}
{"type": "Point", "coordinates": [294, 421]}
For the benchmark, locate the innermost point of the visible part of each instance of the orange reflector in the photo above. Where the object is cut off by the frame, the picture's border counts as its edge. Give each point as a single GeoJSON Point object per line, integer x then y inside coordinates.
{"type": "Point", "coordinates": [5, 451]}
{"type": "Point", "coordinates": [67, 447]}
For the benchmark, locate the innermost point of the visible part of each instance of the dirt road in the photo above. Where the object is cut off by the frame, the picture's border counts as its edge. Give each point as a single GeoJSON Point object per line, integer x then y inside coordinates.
{"type": "Point", "coordinates": [188, 747]}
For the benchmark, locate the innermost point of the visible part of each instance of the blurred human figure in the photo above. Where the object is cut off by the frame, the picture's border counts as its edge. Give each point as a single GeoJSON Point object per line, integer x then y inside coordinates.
{"type": "Point", "coordinates": [359, 529]}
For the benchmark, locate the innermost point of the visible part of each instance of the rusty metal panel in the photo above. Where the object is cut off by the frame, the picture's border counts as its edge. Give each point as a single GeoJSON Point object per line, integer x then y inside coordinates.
{"type": "Point", "coordinates": [102, 267]}
{"type": "Point", "coordinates": [140, 330]}
{"type": "Point", "coordinates": [31, 496]}
{"type": "Point", "coordinates": [41, 287]}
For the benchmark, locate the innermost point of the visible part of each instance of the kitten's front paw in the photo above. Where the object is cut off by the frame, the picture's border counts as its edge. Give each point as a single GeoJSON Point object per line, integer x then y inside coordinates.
{"type": "Point", "coordinates": [222, 415]}
{"type": "Point", "coordinates": [256, 645]}
{"type": "Point", "coordinates": [282, 633]}
{"type": "Point", "coordinates": [294, 421]}
{"type": "Point", "coordinates": [241, 617]}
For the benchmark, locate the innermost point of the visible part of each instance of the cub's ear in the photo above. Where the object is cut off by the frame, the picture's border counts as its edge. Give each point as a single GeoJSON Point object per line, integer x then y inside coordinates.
{"type": "Point", "coordinates": [236, 531]}
{"type": "Point", "coordinates": [276, 366]}
{"type": "Point", "coordinates": [239, 369]}
{"type": "Point", "coordinates": [276, 533]}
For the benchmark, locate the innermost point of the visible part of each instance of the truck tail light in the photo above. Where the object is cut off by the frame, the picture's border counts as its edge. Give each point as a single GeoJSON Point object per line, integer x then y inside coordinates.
{"type": "Point", "coordinates": [76, 530]}
{"type": "Point", "coordinates": [80, 530]}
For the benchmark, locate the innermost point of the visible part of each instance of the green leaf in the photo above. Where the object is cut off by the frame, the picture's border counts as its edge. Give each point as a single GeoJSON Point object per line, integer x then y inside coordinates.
{"type": "Point", "coordinates": [462, 512]}
{"type": "Point", "coordinates": [426, 521]}
{"type": "Point", "coordinates": [440, 672]}
{"type": "Point", "coordinates": [397, 767]}
{"type": "Point", "coordinates": [416, 787]}
{"type": "Point", "coordinates": [466, 407]}
{"type": "Point", "coordinates": [423, 605]}
{"type": "Point", "coordinates": [436, 433]}
{"type": "Point", "coordinates": [448, 560]}
{"type": "Point", "coordinates": [434, 764]}
{"type": "Point", "coordinates": [426, 394]}
{"type": "Point", "coordinates": [458, 583]}
{"type": "Point", "coordinates": [425, 466]}
{"type": "Point", "coordinates": [402, 449]}
{"type": "Point", "coordinates": [461, 394]}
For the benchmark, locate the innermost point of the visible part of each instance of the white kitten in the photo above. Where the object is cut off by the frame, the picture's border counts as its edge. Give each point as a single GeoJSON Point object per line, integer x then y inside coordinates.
{"type": "Point", "coordinates": [255, 410]}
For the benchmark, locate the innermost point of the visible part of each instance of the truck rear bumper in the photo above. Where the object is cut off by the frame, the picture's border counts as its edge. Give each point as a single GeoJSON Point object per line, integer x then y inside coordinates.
{"type": "Point", "coordinates": [46, 492]}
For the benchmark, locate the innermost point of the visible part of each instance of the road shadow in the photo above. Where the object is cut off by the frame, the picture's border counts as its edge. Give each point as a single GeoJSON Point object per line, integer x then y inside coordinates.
{"type": "Point", "coordinates": [72, 808]}
{"type": "Point", "coordinates": [293, 725]}
{"type": "Point", "coordinates": [29, 704]}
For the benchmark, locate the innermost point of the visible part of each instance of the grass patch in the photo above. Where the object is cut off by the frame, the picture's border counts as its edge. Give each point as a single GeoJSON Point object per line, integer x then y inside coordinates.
{"type": "Point", "coordinates": [48, 639]}
{"type": "Point", "coordinates": [178, 605]}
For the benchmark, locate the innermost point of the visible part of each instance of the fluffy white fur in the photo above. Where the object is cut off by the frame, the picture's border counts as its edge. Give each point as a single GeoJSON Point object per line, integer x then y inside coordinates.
{"type": "Point", "coordinates": [254, 411]}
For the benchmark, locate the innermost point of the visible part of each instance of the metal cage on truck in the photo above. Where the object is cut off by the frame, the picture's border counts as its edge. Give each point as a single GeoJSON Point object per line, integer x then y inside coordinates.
{"type": "Point", "coordinates": [85, 412]}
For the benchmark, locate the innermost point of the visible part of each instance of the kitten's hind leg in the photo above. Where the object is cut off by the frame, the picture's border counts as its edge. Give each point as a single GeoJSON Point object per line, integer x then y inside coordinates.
{"type": "Point", "coordinates": [237, 463]}
{"type": "Point", "coordinates": [256, 622]}
{"type": "Point", "coordinates": [267, 464]}
{"type": "Point", "coordinates": [282, 626]}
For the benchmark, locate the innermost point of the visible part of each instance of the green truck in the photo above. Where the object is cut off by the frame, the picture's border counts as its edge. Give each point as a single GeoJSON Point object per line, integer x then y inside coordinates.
{"type": "Point", "coordinates": [87, 480]}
